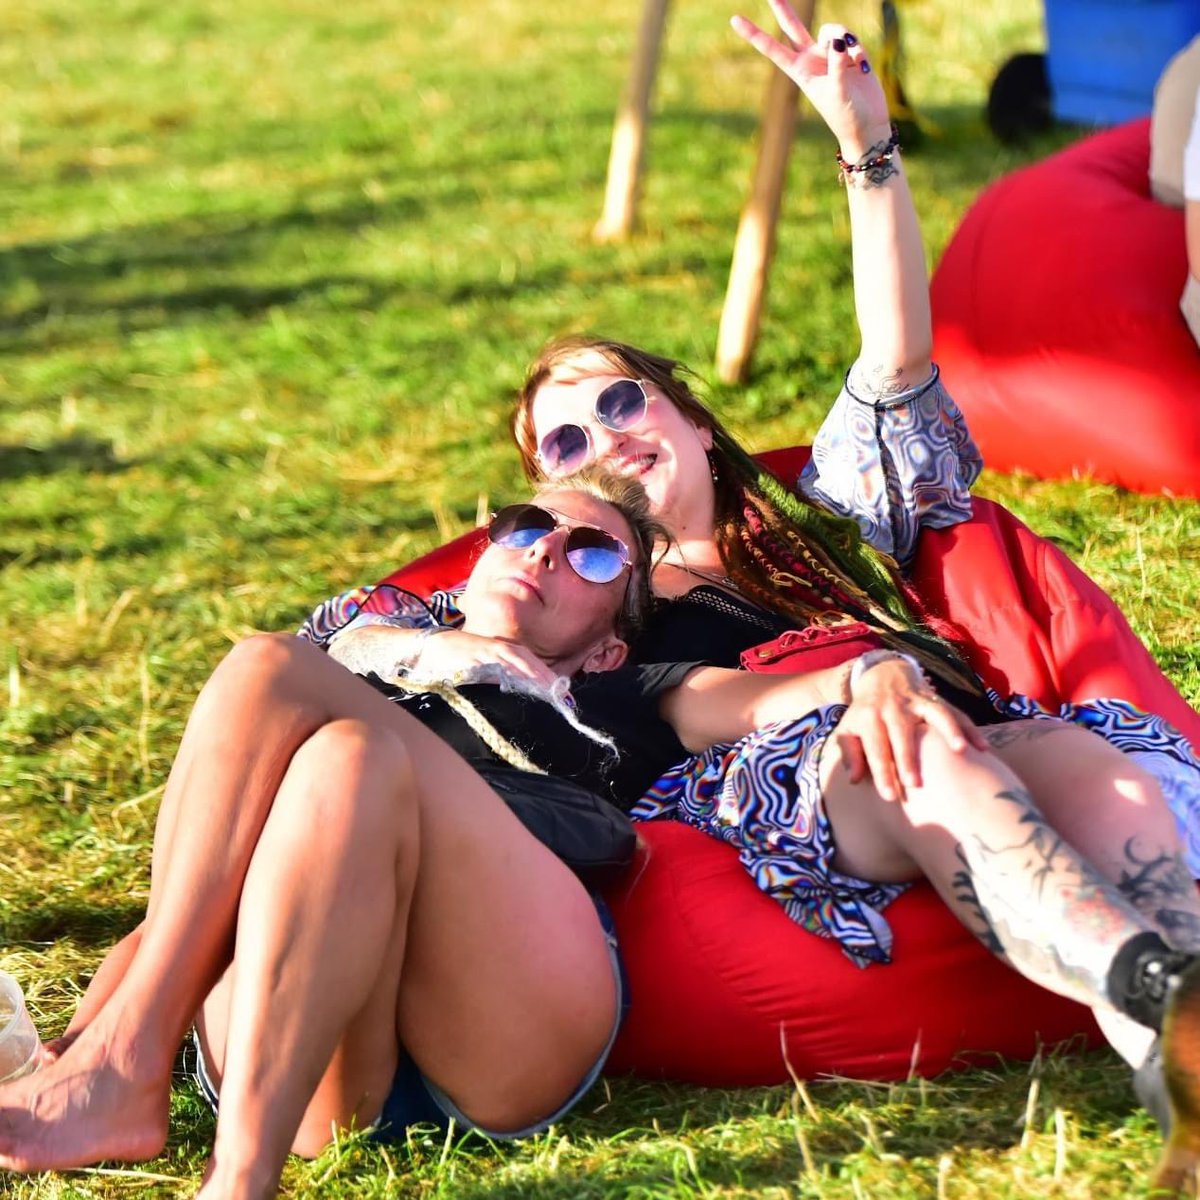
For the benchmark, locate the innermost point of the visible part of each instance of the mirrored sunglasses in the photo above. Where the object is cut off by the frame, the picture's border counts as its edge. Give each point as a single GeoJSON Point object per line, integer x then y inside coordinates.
{"type": "Point", "coordinates": [593, 554]}
{"type": "Point", "coordinates": [619, 407]}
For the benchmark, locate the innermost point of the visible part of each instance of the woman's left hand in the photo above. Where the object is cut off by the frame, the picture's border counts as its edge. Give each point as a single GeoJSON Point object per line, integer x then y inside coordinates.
{"type": "Point", "coordinates": [833, 71]}
{"type": "Point", "coordinates": [889, 711]}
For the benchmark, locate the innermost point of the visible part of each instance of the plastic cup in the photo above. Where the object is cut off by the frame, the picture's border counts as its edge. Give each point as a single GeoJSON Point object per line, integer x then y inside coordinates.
{"type": "Point", "coordinates": [20, 1047]}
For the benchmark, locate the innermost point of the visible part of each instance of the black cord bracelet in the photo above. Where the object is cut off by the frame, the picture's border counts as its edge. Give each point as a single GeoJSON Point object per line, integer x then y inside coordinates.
{"type": "Point", "coordinates": [876, 160]}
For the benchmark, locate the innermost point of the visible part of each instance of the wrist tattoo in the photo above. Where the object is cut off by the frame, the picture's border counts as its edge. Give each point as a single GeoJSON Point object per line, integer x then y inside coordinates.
{"type": "Point", "coordinates": [877, 380]}
{"type": "Point", "coordinates": [874, 168]}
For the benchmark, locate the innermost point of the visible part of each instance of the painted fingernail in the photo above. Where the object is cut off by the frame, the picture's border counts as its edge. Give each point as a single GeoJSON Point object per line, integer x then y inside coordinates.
{"type": "Point", "coordinates": [851, 40]}
{"type": "Point", "coordinates": [866, 67]}
{"type": "Point", "coordinates": [839, 45]}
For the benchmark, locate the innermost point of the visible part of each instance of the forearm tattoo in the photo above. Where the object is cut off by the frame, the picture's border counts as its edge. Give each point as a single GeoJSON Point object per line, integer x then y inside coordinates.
{"type": "Point", "coordinates": [1057, 919]}
{"type": "Point", "coordinates": [1162, 889]}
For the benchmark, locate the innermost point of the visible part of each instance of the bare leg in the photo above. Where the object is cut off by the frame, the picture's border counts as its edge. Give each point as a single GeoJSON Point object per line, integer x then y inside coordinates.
{"type": "Point", "coordinates": [107, 1097]}
{"type": "Point", "coordinates": [104, 983]}
{"type": "Point", "coordinates": [503, 989]}
{"type": "Point", "coordinates": [1112, 812]}
{"type": "Point", "coordinates": [248, 719]}
{"type": "Point", "coordinates": [976, 833]}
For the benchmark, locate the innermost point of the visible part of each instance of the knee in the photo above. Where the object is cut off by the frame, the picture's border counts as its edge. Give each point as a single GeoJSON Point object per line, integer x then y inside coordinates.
{"type": "Point", "coordinates": [942, 765]}
{"type": "Point", "coordinates": [953, 779]}
{"type": "Point", "coordinates": [336, 1108]}
{"type": "Point", "coordinates": [256, 663]}
{"type": "Point", "coordinates": [312, 1138]}
{"type": "Point", "coordinates": [1137, 785]}
{"type": "Point", "coordinates": [359, 756]}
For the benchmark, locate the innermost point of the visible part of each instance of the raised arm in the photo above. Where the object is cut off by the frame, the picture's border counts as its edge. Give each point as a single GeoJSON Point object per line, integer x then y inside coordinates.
{"type": "Point", "coordinates": [891, 290]}
{"type": "Point", "coordinates": [894, 452]}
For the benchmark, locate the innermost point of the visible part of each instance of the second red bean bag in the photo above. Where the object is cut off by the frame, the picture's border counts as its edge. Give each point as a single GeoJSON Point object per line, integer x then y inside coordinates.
{"type": "Point", "coordinates": [1057, 322]}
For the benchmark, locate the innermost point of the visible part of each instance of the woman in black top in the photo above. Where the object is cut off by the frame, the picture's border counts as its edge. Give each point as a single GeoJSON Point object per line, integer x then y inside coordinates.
{"type": "Point", "coordinates": [331, 881]}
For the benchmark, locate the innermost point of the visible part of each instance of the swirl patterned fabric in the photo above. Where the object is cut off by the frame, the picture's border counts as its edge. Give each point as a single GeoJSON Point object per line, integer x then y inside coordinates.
{"type": "Point", "coordinates": [380, 604]}
{"type": "Point", "coordinates": [894, 463]}
{"type": "Point", "coordinates": [762, 794]}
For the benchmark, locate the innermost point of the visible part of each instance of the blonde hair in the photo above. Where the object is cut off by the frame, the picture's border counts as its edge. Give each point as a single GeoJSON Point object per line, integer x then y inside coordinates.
{"type": "Point", "coordinates": [629, 498]}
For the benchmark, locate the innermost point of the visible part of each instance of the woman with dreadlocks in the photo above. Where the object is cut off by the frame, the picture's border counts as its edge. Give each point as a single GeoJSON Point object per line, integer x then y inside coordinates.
{"type": "Point", "coordinates": [359, 908]}
{"type": "Point", "coordinates": [750, 559]}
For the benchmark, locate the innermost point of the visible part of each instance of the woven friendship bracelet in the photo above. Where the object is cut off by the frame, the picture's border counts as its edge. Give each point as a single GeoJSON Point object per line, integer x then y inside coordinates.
{"type": "Point", "coordinates": [876, 160]}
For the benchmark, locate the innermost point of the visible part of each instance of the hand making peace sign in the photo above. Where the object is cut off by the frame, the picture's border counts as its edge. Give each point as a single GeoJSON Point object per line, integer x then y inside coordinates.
{"type": "Point", "coordinates": [833, 71]}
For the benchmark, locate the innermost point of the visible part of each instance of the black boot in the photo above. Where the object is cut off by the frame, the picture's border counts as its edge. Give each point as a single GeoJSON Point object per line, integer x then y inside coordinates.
{"type": "Point", "coordinates": [1142, 975]}
{"type": "Point", "coordinates": [1150, 1087]}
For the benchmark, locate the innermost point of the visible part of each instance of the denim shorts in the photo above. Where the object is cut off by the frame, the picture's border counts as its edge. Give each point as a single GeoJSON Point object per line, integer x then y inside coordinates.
{"type": "Point", "coordinates": [416, 1100]}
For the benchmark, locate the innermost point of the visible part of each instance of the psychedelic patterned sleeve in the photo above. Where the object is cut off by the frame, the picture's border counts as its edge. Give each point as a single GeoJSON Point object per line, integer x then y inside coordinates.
{"type": "Point", "coordinates": [380, 604]}
{"type": "Point", "coordinates": [896, 464]}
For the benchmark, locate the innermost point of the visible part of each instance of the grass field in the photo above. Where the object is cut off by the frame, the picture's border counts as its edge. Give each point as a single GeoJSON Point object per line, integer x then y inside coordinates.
{"type": "Point", "coordinates": [269, 273]}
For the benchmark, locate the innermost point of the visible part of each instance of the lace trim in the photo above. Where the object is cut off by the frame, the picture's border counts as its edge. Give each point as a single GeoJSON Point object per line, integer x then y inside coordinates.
{"type": "Point", "coordinates": [714, 598]}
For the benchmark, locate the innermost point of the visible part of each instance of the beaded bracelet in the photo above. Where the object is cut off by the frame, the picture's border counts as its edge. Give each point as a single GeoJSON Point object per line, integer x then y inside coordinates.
{"type": "Point", "coordinates": [876, 160]}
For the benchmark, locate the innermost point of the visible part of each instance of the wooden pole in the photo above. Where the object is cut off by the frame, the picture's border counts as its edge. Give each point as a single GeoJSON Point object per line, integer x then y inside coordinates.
{"type": "Point", "coordinates": [629, 130]}
{"type": "Point", "coordinates": [756, 231]}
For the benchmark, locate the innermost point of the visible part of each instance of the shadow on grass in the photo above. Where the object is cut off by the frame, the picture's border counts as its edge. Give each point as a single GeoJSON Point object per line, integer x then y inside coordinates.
{"type": "Point", "coordinates": [89, 455]}
{"type": "Point", "coordinates": [85, 924]}
{"type": "Point", "coordinates": [133, 545]}
{"type": "Point", "coordinates": [66, 320]}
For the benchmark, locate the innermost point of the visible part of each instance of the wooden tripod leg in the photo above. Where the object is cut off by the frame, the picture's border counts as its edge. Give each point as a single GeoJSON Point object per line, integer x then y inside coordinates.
{"type": "Point", "coordinates": [629, 130]}
{"type": "Point", "coordinates": [756, 231]}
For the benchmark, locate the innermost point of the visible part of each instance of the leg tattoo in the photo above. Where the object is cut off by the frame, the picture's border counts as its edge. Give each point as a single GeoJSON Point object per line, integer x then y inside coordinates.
{"type": "Point", "coordinates": [1161, 888]}
{"type": "Point", "coordinates": [1056, 917]}
{"type": "Point", "coordinates": [999, 736]}
{"type": "Point", "coordinates": [968, 897]}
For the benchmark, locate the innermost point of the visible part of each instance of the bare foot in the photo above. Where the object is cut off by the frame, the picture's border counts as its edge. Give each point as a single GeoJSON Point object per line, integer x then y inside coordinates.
{"type": "Point", "coordinates": [54, 1049]}
{"type": "Point", "coordinates": [90, 1105]}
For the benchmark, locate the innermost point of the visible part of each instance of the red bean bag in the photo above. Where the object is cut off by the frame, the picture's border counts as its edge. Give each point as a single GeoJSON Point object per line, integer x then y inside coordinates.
{"type": "Point", "coordinates": [1057, 323]}
{"type": "Point", "coordinates": [724, 984]}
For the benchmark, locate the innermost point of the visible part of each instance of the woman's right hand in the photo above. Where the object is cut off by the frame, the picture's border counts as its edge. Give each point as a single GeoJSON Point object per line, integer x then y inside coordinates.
{"type": "Point", "coordinates": [453, 651]}
{"type": "Point", "coordinates": [880, 732]}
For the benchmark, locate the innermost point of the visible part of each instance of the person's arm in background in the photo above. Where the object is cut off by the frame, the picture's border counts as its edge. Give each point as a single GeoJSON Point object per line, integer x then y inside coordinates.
{"type": "Point", "coordinates": [382, 628]}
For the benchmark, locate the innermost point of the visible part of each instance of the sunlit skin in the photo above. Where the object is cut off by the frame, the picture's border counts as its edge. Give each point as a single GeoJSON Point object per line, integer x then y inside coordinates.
{"type": "Point", "coordinates": [665, 451]}
{"type": "Point", "coordinates": [532, 597]}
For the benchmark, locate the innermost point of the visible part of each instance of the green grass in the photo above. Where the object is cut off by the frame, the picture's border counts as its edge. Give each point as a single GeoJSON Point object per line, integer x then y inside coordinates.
{"type": "Point", "coordinates": [269, 274]}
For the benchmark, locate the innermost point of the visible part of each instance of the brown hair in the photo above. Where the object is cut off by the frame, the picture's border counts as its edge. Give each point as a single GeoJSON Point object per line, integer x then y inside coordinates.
{"type": "Point", "coordinates": [842, 573]}
{"type": "Point", "coordinates": [629, 498]}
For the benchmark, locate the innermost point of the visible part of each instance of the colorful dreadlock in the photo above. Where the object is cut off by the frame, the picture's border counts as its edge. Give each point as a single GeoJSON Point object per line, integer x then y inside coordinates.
{"type": "Point", "coordinates": [806, 563]}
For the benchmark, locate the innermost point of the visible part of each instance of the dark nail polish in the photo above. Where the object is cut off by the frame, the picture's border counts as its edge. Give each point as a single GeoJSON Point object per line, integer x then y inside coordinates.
{"type": "Point", "coordinates": [851, 40]}
{"type": "Point", "coordinates": [839, 45]}
{"type": "Point", "coordinates": [866, 67]}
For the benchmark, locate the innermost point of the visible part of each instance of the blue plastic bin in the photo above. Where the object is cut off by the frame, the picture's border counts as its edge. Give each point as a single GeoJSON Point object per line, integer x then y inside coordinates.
{"type": "Point", "coordinates": [1104, 57]}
